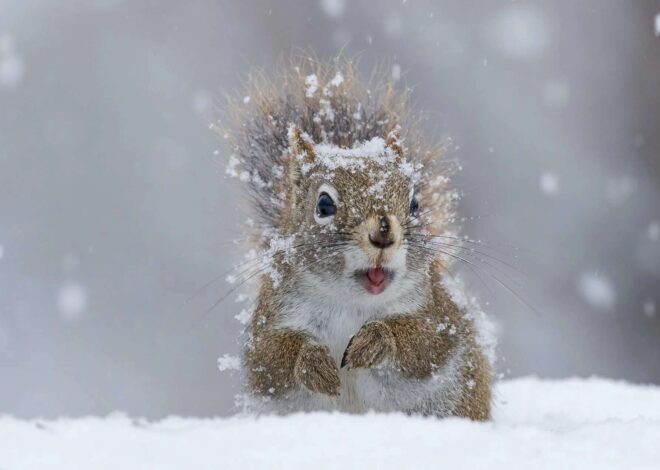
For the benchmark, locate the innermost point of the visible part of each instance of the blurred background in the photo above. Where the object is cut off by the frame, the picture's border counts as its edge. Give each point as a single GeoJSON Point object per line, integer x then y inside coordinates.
{"type": "Point", "coordinates": [115, 207]}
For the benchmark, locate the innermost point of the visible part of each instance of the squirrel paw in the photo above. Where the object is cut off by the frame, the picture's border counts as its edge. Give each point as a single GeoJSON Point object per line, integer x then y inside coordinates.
{"type": "Point", "coordinates": [370, 346]}
{"type": "Point", "coordinates": [316, 370]}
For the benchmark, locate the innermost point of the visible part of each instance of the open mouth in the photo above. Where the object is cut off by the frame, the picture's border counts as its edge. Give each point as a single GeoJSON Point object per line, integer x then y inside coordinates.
{"type": "Point", "coordinates": [375, 280]}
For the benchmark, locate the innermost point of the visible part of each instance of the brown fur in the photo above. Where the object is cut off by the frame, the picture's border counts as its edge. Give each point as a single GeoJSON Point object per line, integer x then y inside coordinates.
{"type": "Point", "coordinates": [257, 132]}
{"type": "Point", "coordinates": [316, 370]}
{"type": "Point", "coordinates": [280, 360]}
{"type": "Point", "coordinates": [419, 344]}
{"type": "Point", "coordinates": [371, 345]}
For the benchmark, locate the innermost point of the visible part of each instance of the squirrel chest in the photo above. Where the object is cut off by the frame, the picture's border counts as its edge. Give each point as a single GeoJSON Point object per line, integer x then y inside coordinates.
{"type": "Point", "coordinates": [381, 388]}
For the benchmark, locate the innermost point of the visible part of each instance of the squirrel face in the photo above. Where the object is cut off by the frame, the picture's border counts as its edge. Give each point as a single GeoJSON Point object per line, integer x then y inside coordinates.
{"type": "Point", "coordinates": [352, 207]}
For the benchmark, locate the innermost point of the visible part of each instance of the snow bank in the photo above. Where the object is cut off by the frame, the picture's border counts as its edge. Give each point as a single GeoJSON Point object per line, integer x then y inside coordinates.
{"type": "Point", "coordinates": [538, 424]}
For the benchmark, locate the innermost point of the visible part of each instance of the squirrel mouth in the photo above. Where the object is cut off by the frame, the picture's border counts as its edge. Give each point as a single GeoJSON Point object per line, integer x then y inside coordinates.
{"type": "Point", "coordinates": [375, 280]}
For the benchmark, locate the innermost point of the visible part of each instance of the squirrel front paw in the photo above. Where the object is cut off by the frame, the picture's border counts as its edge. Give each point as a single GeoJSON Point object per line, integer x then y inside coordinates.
{"type": "Point", "coordinates": [370, 346]}
{"type": "Point", "coordinates": [316, 370]}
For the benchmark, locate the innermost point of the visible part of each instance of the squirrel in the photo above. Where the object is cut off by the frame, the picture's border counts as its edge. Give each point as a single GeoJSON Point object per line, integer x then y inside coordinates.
{"type": "Point", "coordinates": [353, 311]}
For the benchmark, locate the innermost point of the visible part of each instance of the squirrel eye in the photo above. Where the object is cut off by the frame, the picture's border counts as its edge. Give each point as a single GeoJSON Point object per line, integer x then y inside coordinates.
{"type": "Point", "coordinates": [414, 206]}
{"type": "Point", "coordinates": [325, 206]}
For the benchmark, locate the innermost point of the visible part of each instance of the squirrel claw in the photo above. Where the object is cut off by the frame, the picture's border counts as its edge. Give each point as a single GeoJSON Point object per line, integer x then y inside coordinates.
{"type": "Point", "coordinates": [316, 370]}
{"type": "Point", "coordinates": [343, 358]}
{"type": "Point", "coordinates": [370, 346]}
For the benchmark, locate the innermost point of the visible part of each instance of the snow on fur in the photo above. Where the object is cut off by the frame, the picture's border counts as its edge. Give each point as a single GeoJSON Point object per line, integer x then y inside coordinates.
{"type": "Point", "coordinates": [335, 110]}
{"type": "Point", "coordinates": [540, 424]}
{"type": "Point", "coordinates": [347, 122]}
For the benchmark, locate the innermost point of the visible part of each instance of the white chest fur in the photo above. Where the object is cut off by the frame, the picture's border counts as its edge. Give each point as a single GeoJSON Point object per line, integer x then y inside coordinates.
{"type": "Point", "coordinates": [381, 389]}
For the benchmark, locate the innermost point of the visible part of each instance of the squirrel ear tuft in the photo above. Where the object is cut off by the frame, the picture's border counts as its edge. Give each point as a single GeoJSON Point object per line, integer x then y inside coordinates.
{"type": "Point", "coordinates": [393, 142]}
{"type": "Point", "coordinates": [300, 143]}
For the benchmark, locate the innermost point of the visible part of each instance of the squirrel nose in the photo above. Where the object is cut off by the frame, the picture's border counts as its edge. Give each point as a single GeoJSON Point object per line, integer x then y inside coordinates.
{"type": "Point", "coordinates": [383, 238]}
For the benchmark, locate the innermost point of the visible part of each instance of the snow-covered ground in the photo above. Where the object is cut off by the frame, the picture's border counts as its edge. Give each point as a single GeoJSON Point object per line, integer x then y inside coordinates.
{"type": "Point", "coordinates": [575, 423]}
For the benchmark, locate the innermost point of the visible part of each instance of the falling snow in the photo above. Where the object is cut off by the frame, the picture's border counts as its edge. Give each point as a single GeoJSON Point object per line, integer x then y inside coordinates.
{"type": "Point", "coordinates": [654, 231]}
{"type": "Point", "coordinates": [337, 80]}
{"type": "Point", "coordinates": [549, 183]}
{"type": "Point", "coordinates": [11, 64]}
{"type": "Point", "coordinates": [393, 25]}
{"type": "Point", "coordinates": [333, 8]}
{"type": "Point", "coordinates": [229, 362]}
{"type": "Point", "coordinates": [520, 32]}
{"type": "Point", "coordinates": [72, 301]}
{"type": "Point", "coordinates": [649, 308]}
{"type": "Point", "coordinates": [244, 316]}
{"type": "Point", "coordinates": [312, 83]}
{"type": "Point", "coordinates": [232, 167]}
{"type": "Point", "coordinates": [201, 102]}
{"type": "Point", "coordinates": [597, 291]}
{"type": "Point", "coordinates": [396, 72]}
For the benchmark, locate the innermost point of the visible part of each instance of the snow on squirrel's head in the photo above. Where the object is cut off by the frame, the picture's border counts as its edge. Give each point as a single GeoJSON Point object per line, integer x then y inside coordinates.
{"type": "Point", "coordinates": [344, 188]}
{"type": "Point", "coordinates": [359, 213]}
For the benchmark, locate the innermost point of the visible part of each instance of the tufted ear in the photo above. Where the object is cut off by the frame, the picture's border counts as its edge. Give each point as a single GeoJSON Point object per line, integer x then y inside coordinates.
{"type": "Point", "coordinates": [301, 152]}
{"type": "Point", "coordinates": [393, 142]}
{"type": "Point", "coordinates": [300, 144]}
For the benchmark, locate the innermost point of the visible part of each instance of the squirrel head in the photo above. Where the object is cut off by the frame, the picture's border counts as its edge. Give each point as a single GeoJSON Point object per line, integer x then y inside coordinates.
{"type": "Point", "coordinates": [351, 210]}
{"type": "Point", "coordinates": [343, 209]}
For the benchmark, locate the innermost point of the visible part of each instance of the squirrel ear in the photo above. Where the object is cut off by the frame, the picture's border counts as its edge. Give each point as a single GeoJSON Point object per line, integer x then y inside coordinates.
{"type": "Point", "coordinates": [300, 143]}
{"type": "Point", "coordinates": [393, 142]}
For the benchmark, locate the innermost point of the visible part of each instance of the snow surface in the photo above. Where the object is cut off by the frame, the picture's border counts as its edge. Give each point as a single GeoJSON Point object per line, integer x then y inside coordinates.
{"type": "Point", "coordinates": [573, 423]}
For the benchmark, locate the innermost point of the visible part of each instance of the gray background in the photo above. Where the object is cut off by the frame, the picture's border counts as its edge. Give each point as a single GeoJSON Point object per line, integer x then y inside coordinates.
{"type": "Point", "coordinates": [113, 208]}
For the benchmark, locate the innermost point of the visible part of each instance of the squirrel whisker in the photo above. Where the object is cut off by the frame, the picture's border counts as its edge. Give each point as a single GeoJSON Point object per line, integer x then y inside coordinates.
{"type": "Point", "coordinates": [252, 275]}
{"type": "Point", "coordinates": [430, 239]}
{"type": "Point", "coordinates": [489, 274]}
